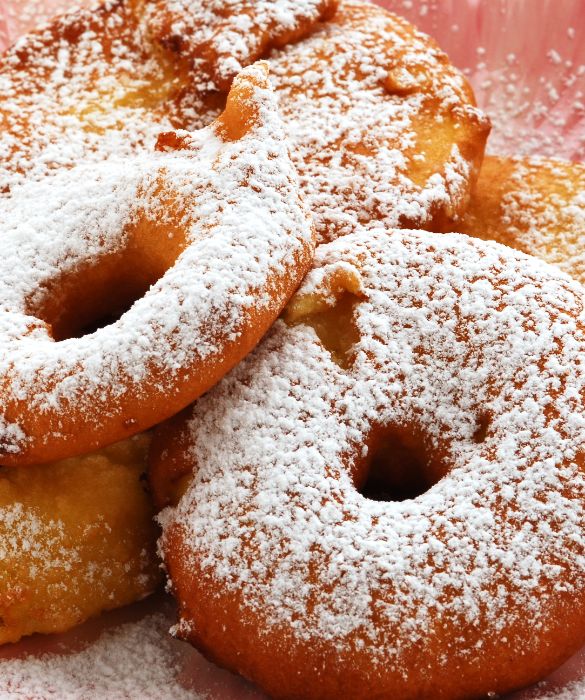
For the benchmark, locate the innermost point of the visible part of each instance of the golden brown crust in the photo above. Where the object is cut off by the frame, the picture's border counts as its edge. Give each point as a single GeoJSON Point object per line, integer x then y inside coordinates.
{"type": "Point", "coordinates": [288, 670]}
{"type": "Point", "coordinates": [215, 47]}
{"type": "Point", "coordinates": [536, 205]}
{"type": "Point", "coordinates": [170, 469]}
{"type": "Point", "coordinates": [76, 538]}
{"type": "Point", "coordinates": [465, 370]}
{"type": "Point", "coordinates": [203, 218]}
{"type": "Point", "coordinates": [382, 127]}
{"type": "Point", "coordinates": [105, 80]}
{"type": "Point", "coordinates": [410, 158]}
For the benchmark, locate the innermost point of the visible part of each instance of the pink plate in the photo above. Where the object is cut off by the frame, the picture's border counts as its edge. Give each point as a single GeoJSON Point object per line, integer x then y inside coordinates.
{"type": "Point", "coordinates": [526, 61]}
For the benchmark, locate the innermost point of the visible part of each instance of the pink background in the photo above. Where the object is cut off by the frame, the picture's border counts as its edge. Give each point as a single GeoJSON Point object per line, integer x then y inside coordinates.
{"type": "Point", "coordinates": [526, 61]}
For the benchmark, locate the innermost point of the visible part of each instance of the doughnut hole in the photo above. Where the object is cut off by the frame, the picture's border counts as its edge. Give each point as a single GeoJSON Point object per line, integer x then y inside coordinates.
{"type": "Point", "coordinates": [330, 311]}
{"type": "Point", "coordinates": [90, 296]}
{"type": "Point", "coordinates": [97, 293]}
{"type": "Point", "coordinates": [398, 465]}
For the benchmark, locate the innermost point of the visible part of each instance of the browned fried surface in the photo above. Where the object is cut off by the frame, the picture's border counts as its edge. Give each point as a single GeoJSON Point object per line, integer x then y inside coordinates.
{"type": "Point", "coordinates": [461, 392]}
{"type": "Point", "coordinates": [220, 37]}
{"type": "Point", "coordinates": [76, 538]}
{"type": "Point", "coordinates": [86, 87]}
{"type": "Point", "coordinates": [108, 80]}
{"type": "Point", "coordinates": [382, 126]}
{"type": "Point", "coordinates": [536, 205]}
{"type": "Point", "coordinates": [194, 250]}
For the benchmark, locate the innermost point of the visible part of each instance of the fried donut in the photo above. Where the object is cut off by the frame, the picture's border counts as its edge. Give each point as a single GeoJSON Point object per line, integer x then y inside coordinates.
{"type": "Point", "coordinates": [382, 127]}
{"type": "Point", "coordinates": [76, 538]}
{"type": "Point", "coordinates": [536, 205]}
{"type": "Point", "coordinates": [208, 235]}
{"type": "Point", "coordinates": [103, 81]}
{"type": "Point", "coordinates": [388, 497]}
{"type": "Point", "coordinates": [219, 38]}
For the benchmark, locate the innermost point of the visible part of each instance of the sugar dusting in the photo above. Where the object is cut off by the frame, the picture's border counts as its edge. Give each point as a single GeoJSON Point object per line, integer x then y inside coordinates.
{"type": "Point", "coordinates": [450, 328]}
{"type": "Point", "coordinates": [537, 217]}
{"type": "Point", "coordinates": [135, 661]}
{"type": "Point", "coordinates": [527, 68]}
{"type": "Point", "coordinates": [66, 102]}
{"type": "Point", "coordinates": [365, 100]}
{"type": "Point", "coordinates": [138, 660]}
{"type": "Point", "coordinates": [572, 691]}
{"type": "Point", "coordinates": [244, 226]}
{"type": "Point", "coordinates": [24, 532]}
{"type": "Point", "coordinates": [221, 37]}
{"type": "Point", "coordinates": [575, 692]}
{"type": "Point", "coordinates": [12, 437]}
{"type": "Point", "coordinates": [95, 82]}
{"type": "Point", "coordinates": [534, 204]}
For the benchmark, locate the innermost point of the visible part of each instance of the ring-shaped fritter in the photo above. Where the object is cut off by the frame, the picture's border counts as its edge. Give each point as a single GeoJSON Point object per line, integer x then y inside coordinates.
{"type": "Point", "coordinates": [205, 240]}
{"type": "Point", "coordinates": [388, 494]}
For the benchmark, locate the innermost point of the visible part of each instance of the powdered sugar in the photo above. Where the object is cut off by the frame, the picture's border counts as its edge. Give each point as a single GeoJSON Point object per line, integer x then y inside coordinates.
{"type": "Point", "coordinates": [451, 330]}
{"type": "Point", "coordinates": [136, 661]}
{"type": "Point", "coordinates": [534, 204]}
{"type": "Point", "coordinates": [94, 83]}
{"type": "Point", "coordinates": [366, 100]}
{"type": "Point", "coordinates": [85, 87]}
{"type": "Point", "coordinates": [24, 532]}
{"type": "Point", "coordinates": [244, 229]}
{"type": "Point", "coordinates": [548, 223]}
{"type": "Point", "coordinates": [365, 138]}
{"type": "Point", "coordinates": [572, 691]}
{"type": "Point", "coordinates": [223, 36]}
{"type": "Point", "coordinates": [12, 437]}
{"type": "Point", "coordinates": [76, 538]}
{"type": "Point", "coordinates": [527, 67]}
{"type": "Point", "coordinates": [116, 652]}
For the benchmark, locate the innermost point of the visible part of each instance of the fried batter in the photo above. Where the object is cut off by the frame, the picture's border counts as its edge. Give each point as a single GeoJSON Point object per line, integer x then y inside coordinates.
{"type": "Point", "coordinates": [192, 259]}
{"type": "Point", "coordinates": [387, 497]}
{"type": "Point", "coordinates": [382, 127]}
{"type": "Point", "coordinates": [76, 538]}
{"type": "Point", "coordinates": [536, 205]}
{"type": "Point", "coordinates": [108, 80]}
